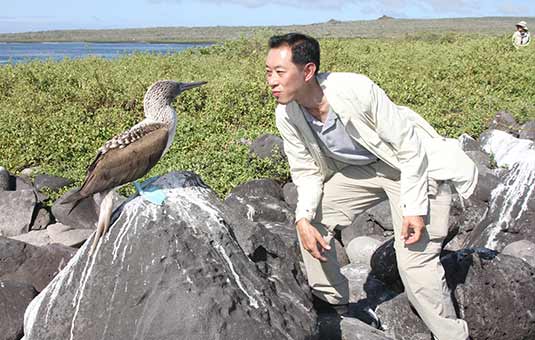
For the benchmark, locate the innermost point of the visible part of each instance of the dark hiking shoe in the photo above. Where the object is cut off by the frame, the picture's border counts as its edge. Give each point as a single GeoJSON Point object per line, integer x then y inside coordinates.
{"type": "Point", "coordinates": [323, 307]}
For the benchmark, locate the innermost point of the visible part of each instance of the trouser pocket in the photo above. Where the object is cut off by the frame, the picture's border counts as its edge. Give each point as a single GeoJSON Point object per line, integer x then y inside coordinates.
{"type": "Point", "coordinates": [439, 209]}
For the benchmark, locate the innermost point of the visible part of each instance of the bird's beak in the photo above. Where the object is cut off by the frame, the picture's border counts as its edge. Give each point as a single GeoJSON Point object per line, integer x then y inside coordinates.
{"type": "Point", "coordinates": [187, 86]}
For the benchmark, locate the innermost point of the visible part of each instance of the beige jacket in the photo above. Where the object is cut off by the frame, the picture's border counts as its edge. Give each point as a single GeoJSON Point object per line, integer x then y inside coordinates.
{"type": "Point", "coordinates": [395, 134]}
{"type": "Point", "coordinates": [521, 39]}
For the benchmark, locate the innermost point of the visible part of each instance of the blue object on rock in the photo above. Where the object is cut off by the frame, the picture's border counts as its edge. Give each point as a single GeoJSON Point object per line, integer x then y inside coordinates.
{"type": "Point", "coordinates": [151, 193]}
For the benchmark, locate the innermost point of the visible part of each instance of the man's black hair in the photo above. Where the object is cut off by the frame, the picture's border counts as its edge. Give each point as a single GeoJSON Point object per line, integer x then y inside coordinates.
{"type": "Point", "coordinates": [305, 49]}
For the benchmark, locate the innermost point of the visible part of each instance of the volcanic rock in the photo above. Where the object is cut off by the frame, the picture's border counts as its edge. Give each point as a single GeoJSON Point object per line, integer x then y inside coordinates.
{"type": "Point", "coordinates": [170, 271]}
{"type": "Point", "coordinates": [16, 211]}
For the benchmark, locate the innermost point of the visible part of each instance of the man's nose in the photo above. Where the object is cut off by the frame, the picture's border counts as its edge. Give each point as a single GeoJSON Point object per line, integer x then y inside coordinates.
{"type": "Point", "coordinates": [272, 80]}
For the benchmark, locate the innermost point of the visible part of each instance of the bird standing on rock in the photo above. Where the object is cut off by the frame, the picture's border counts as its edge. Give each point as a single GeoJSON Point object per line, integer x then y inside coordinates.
{"type": "Point", "coordinates": [131, 154]}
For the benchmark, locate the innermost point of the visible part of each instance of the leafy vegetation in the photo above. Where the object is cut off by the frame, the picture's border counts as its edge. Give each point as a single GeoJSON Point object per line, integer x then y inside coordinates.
{"type": "Point", "coordinates": [55, 115]}
{"type": "Point", "coordinates": [380, 28]}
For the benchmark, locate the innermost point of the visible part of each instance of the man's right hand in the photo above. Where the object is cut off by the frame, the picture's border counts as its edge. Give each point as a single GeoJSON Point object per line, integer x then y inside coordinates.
{"type": "Point", "coordinates": [312, 240]}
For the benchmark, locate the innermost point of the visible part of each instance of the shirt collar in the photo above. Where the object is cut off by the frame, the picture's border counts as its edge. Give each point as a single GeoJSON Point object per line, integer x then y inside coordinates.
{"type": "Point", "coordinates": [330, 122]}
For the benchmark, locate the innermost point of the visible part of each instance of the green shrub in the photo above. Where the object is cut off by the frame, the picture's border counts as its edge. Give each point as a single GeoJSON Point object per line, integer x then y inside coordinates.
{"type": "Point", "coordinates": [57, 114]}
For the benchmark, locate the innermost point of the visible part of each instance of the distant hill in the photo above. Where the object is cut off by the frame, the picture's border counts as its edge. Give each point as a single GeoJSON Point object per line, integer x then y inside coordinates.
{"type": "Point", "coordinates": [385, 17]}
{"type": "Point", "coordinates": [382, 27]}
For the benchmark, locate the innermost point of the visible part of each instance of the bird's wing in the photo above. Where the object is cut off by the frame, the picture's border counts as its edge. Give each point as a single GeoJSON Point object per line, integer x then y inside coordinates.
{"type": "Point", "coordinates": [125, 158]}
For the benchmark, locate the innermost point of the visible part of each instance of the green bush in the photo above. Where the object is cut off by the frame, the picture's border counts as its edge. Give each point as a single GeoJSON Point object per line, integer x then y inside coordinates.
{"type": "Point", "coordinates": [55, 115]}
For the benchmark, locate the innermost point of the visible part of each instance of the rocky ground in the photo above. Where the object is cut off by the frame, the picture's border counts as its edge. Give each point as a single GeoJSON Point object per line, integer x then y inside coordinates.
{"type": "Point", "coordinates": [203, 268]}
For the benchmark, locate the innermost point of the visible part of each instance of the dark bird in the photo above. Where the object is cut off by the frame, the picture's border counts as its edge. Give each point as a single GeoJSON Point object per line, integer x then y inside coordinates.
{"type": "Point", "coordinates": [131, 154]}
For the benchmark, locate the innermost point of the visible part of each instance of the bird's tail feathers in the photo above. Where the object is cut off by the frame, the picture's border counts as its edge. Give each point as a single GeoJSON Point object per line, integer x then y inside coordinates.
{"type": "Point", "coordinates": [75, 198]}
{"type": "Point", "coordinates": [72, 197]}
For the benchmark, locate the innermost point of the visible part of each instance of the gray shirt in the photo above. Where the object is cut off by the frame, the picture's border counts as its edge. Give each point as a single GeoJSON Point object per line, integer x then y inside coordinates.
{"type": "Point", "coordinates": [336, 141]}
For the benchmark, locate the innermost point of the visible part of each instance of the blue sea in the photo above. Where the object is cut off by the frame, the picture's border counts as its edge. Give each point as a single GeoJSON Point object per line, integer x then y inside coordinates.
{"type": "Point", "coordinates": [23, 52]}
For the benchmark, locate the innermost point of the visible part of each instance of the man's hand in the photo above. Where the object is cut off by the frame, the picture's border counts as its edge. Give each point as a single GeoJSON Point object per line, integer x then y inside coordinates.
{"type": "Point", "coordinates": [311, 238]}
{"type": "Point", "coordinates": [412, 228]}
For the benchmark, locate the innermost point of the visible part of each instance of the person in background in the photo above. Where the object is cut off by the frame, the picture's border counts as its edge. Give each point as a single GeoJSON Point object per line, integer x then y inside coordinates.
{"type": "Point", "coordinates": [349, 148]}
{"type": "Point", "coordinates": [521, 37]}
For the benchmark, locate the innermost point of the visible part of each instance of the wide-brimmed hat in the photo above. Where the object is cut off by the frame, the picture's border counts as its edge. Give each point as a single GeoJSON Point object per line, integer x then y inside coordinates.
{"type": "Point", "coordinates": [523, 25]}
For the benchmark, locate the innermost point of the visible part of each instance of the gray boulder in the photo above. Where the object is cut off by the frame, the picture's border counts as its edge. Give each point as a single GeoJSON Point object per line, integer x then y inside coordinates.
{"type": "Point", "coordinates": [29, 172]}
{"type": "Point", "coordinates": [259, 188]}
{"type": "Point", "coordinates": [16, 211]}
{"type": "Point", "coordinates": [281, 263]}
{"type": "Point", "coordinates": [357, 275]}
{"type": "Point", "coordinates": [67, 236]}
{"type": "Point", "coordinates": [55, 234]}
{"type": "Point", "coordinates": [382, 215]}
{"type": "Point", "coordinates": [23, 183]}
{"type": "Point", "coordinates": [487, 179]}
{"type": "Point", "coordinates": [164, 272]}
{"type": "Point", "coordinates": [363, 225]}
{"type": "Point", "coordinates": [365, 291]}
{"type": "Point", "coordinates": [495, 293]}
{"type": "Point", "coordinates": [522, 249]}
{"type": "Point", "coordinates": [361, 249]}
{"type": "Point", "coordinates": [285, 231]}
{"type": "Point", "coordinates": [341, 254]}
{"type": "Point", "coordinates": [268, 146]}
{"type": "Point", "coordinates": [481, 160]}
{"type": "Point", "coordinates": [486, 183]}
{"type": "Point", "coordinates": [512, 204]}
{"type": "Point", "coordinates": [14, 298]}
{"type": "Point", "coordinates": [353, 329]}
{"type": "Point", "coordinates": [468, 143]}
{"type": "Point", "coordinates": [421, 336]}
{"type": "Point", "coordinates": [25, 263]}
{"type": "Point", "coordinates": [244, 229]}
{"type": "Point", "coordinates": [527, 131]}
{"type": "Point", "coordinates": [85, 214]}
{"type": "Point", "coordinates": [289, 191]}
{"type": "Point", "coordinates": [42, 219]}
{"type": "Point", "coordinates": [5, 179]}
{"type": "Point", "coordinates": [465, 216]}
{"type": "Point", "coordinates": [36, 238]}
{"type": "Point", "coordinates": [384, 266]}
{"type": "Point", "coordinates": [53, 183]}
{"type": "Point", "coordinates": [504, 121]}
{"type": "Point", "coordinates": [332, 327]}
{"type": "Point", "coordinates": [260, 201]}
{"type": "Point", "coordinates": [399, 320]}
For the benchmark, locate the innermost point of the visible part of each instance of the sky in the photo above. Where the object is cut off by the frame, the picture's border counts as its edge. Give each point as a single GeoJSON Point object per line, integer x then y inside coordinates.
{"type": "Point", "coordinates": [42, 15]}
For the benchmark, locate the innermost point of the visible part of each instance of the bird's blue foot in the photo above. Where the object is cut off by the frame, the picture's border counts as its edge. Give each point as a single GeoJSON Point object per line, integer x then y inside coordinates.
{"type": "Point", "coordinates": [151, 193]}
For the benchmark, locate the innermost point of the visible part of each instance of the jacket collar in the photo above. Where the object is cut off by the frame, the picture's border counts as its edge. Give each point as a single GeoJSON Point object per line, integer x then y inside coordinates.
{"type": "Point", "coordinates": [334, 93]}
{"type": "Point", "coordinates": [334, 96]}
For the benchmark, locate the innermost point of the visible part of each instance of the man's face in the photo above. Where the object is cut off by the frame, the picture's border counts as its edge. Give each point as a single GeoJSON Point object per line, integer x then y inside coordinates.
{"type": "Point", "coordinates": [284, 78]}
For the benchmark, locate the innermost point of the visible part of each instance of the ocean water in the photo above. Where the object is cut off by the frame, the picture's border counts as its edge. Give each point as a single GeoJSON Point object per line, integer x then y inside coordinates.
{"type": "Point", "coordinates": [23, 52]}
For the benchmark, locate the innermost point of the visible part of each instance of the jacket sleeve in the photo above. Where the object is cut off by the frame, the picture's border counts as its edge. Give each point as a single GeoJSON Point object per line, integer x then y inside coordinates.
{"type": "Point", "coordinates": [395, 128]}
{"type": "Point", "coordinates": [306, 174]}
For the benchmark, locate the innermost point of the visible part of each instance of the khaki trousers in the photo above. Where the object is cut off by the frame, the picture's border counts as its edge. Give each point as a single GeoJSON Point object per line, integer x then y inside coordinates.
{"type": "Point", "coordinates": [351, 191]}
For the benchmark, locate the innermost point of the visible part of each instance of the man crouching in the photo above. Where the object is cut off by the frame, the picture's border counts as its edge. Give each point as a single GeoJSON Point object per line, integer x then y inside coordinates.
{"type": "Point", "coordinates": [350, 147]}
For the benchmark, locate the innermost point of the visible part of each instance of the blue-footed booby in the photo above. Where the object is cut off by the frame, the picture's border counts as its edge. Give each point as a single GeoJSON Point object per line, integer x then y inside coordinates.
{"type": "Point", "coordinates": [131, 154]}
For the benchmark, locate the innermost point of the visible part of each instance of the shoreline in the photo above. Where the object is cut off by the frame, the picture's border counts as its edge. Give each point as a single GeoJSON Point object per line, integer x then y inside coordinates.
{"type": "Point", "coordinates": [184, 42]}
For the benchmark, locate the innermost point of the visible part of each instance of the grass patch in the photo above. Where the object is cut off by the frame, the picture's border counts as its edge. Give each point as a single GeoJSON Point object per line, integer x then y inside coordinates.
{"type": "Point", "coordinates": [55, 115]}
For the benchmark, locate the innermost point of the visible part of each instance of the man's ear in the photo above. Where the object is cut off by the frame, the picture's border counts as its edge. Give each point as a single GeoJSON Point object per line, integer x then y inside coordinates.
{"type": "Point", "coordinates": [310, 71]}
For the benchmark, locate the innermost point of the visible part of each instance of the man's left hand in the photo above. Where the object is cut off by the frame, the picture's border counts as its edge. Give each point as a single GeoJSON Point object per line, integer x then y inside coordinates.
{"type": "Point", "coordinates": [412, 229]}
